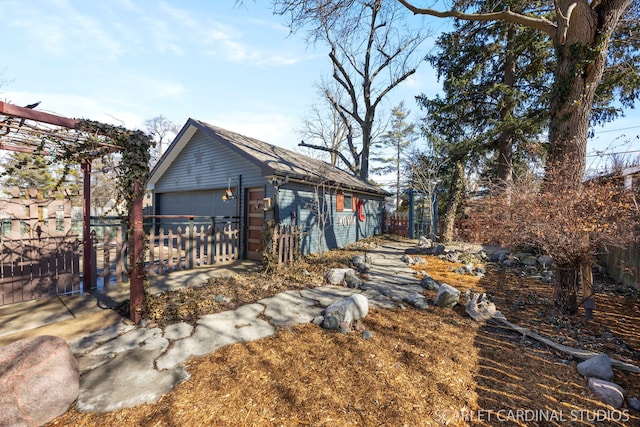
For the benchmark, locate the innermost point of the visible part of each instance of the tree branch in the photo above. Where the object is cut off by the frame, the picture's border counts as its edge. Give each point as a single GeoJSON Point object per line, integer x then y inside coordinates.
{"type": "Point", "coordinates": [541, 24]}
{"type": "Point", "coordinates": [330, 150]}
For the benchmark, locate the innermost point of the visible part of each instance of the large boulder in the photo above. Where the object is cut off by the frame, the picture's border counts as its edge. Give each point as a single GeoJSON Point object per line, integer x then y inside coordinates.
{"type": "Point", "coordinates": [597, 367]}
{"type": "Point", "coordinates": [336, 276]}
{"type": "Point", "coordinates": [345, 311]}
{"type": "Point", "coordinates": [447, 296]}
{"type": "Point", "coordinates": [351, 280]}
{"type": "Point", "coordinates": [429, 283]}
{"type": "Point", "coordinates": [39, 380]}
{"type": "Point", "coordinates": [608, 392]}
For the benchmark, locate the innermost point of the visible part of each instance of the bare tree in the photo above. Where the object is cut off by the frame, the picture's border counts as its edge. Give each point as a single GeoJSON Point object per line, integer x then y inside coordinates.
{"type": "Point", "coordinates": [372, 51]}
{"type": "Point", "coordinates": [161, 130]}
{"type": "Point", "coordinates": [328, 128]}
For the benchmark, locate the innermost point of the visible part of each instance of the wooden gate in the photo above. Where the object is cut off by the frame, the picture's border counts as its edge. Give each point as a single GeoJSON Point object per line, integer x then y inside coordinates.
{"type": "Point", "coordinates": [40, 255]}
{"type": "Point", "coordinates": [254, 222]}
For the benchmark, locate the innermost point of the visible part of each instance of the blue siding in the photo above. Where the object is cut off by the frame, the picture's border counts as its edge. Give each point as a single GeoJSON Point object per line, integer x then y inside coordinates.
{"type": "Point", "coordinates": [296, 202]}
{"type": "Point", "coordinates": [198, 177]}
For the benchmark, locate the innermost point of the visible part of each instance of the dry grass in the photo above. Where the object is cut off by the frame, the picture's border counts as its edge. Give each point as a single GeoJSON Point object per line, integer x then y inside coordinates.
{"type": "Point", "coordinates": [422, 368]}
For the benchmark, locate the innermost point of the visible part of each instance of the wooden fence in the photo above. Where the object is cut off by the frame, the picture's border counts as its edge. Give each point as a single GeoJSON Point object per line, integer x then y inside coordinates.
{"type": "Point", "coordinates": [191, 246]}
{"type": "Point", "coordinates": [623, 263]}
{"type": "Point", "coordinates": [31, 269]}
{"type": "Point", "coordinates": [286, 243]}
{"type": "Point", "coordinates": [37, 268]}
{"type": "Point", "coordinates": [397, 223]}
{"type": "Point", "coordinates": [171, 247]}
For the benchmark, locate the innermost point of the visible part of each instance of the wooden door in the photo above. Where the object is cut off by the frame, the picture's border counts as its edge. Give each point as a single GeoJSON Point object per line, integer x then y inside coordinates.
{"type": "Point", "coordinates": [255, 222]}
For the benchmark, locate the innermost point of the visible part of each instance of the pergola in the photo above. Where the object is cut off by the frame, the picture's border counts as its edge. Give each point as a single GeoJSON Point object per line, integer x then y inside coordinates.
{"type": "Point", "coordinates": [27, 130]}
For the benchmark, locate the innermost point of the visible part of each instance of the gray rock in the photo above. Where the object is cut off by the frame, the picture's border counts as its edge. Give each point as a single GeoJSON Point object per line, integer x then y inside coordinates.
{"type": "Point", "coordinates": [39, 380]}
{"type": "Point", "coordinates": [348, 309]}
{"type": "Point", "coordinates": [358, 260]}
{"type": "Point", "coordinates": [597, 367]}
{"type": "Point", "coordinates": [634, 404]}
{"type": "Point", "coordinates": [545, 261]}
{"type": "Point", "coordinates": [521, 255]}
{"type": "Point", "coordinates": [423, 241]}
{"type": "Point", "coordinates": [330, 322]}
{"type": "Point", "coordinates": [447, 296]}
{"type": "Point", "coordinates": [439, 249]}
{"type": "Point", "coordinates": [500, 255]}
{"type": "Point", "coordinates": [417, 300]}
{"type": "Point", "coordinates": [124, 382]}
{"type": "Point", "coordinates": [361, 262]}
{"type": "Point", "coordinates": [529, 260]}
{"type": "Point", "coordinates": [452, 257]}
{"type": "Point", "coordinates": [610, 393]}
{"type": "Point", "coordinates": [407, 259]}
{"type": "Point", "coordinates": [351, 280]}
{"type": "Point", "coordinates": [289, 308]}
{"type": "Point", "coordinates": [420, 260]}
{"type": "Point", "coordinates": [429, 283]}
{"type": "Point", "coordinates": [508, 262]}
{"type": "Point", "coordinates": [222, 298]}
{"type": "Point", "coordinates": [91, 341]}
{"type": "Point", "coordinates": [335, 276]}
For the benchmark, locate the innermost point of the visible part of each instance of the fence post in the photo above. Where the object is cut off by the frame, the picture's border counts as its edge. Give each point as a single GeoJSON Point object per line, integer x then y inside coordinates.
{"type": "Point", "coordinates": [189, 246]}
{"type": "Point", "coordinates": [212, 241]}
{"type": "Point", "coordinates": [411, 213]}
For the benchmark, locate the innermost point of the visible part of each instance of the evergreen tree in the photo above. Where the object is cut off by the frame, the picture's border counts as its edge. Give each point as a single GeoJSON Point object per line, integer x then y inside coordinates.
{"type": "Point", "coordinates": [396, 142]}
{"type": "Point", "coordinates": [26, 171]}
{"type": "Point", "coordinates": [496, 73]}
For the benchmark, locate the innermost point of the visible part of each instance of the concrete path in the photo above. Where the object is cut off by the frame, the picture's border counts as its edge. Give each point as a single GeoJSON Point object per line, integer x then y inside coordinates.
{"type": "Point", "coordinates": [126, 365]}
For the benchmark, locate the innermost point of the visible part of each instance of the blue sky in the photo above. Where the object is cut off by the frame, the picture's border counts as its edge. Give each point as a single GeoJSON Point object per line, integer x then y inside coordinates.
{"type": "Point", "coordinates": [125, 61]}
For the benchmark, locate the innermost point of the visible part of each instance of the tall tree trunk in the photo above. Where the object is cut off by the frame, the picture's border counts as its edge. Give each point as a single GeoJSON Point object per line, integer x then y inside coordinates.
{"type": "Point", "coordinates": [565, 291]}
{"type": "Point", "coordinates": [581, 58]}
{"type": "Point", "coordinates": [505, 139]}
{"type": "Point", "coordinates": [456, 192]}
{"type": "Point", "coordinates": [364, 155]}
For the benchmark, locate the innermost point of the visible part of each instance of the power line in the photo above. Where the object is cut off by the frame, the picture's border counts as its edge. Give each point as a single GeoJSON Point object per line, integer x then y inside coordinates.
{"type": "Point", "coordinates": [617, 130]}
{"type": "Point", "coordinates": [602, 153]}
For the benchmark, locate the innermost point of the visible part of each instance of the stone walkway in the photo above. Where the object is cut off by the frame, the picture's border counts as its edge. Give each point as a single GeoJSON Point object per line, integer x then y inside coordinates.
{"type": "Point", "coordinates": [127, 365]}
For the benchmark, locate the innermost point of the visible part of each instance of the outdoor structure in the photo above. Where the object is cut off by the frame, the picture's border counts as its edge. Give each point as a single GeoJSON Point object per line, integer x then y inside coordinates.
{"type": "Point", "coordinates": [35, 269]}
{"type": "Point", "coordinates": [212, 172]}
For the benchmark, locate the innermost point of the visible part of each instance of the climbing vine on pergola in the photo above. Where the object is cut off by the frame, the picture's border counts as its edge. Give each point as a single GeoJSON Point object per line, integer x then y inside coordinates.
{"type": "Point", "coordinates": [81, 141]}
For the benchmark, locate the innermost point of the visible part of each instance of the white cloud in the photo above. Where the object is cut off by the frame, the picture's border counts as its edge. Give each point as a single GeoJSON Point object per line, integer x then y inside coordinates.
{"type": "Point", "coordinates": [175, 27]}
{"type": "Point", "coordinates": [60, 30]}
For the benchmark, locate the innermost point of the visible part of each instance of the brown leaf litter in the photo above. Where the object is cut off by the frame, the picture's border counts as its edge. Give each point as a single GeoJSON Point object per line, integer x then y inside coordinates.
{"type": "Point", "coordinates": [421, 368]}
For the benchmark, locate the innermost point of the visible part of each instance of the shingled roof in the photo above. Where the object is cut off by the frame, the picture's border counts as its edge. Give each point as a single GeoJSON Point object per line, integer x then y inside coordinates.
{"type": "Point", "coordinates": [278, 161]}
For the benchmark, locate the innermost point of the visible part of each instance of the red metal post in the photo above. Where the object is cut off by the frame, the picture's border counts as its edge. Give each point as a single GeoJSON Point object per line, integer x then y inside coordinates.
{"type": "Point", "coordinates": [136, 280]}
{"type": "Point", "coordinates": [87, 249]}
